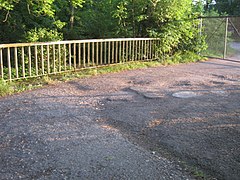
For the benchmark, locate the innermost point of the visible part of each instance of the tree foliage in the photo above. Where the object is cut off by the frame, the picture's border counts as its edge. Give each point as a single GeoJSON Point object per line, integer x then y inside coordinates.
{"type": "Point", "coordinates": [230, 7]}
{"type": "Point", "coordinates": [46, 20]}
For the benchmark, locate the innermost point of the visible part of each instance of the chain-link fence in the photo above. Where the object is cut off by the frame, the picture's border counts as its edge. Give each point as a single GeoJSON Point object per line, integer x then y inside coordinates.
{"type": "Point", "coordinates": [222, 37]}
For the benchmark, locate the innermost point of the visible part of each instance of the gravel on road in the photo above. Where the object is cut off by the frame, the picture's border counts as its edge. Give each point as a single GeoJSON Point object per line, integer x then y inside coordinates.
{"type": "Point", "coordinates": [153, 123]}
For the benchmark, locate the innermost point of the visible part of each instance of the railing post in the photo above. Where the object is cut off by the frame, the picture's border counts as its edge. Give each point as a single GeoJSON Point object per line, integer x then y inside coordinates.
{"type": "Point", "coordinates": [225, 39]}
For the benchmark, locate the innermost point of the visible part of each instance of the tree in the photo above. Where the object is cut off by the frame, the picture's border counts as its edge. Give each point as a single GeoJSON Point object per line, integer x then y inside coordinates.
{"type": "Point", "coordinates": [17, 17]}
{"type": "Point", "coordinates": [231, 7]}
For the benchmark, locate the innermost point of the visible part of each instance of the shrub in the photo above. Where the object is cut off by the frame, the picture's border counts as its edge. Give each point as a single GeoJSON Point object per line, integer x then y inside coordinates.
{"type": "Point", "coordinates": [43, 35]}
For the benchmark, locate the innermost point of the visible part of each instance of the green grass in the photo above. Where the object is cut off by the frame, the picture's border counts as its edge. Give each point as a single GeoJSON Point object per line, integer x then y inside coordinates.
{"type": "Point", "coordinates": [17, 86]}
{"type": "Point", "coordinates": [5, 88]}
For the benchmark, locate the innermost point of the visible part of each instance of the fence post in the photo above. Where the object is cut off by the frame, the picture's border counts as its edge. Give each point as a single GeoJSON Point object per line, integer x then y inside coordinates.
{"type": "Point", "coordinates": [225, 39]}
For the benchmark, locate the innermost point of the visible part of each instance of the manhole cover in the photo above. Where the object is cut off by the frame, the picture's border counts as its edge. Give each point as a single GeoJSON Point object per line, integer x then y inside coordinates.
{"type": "Point", "coordinates": [185, 94]}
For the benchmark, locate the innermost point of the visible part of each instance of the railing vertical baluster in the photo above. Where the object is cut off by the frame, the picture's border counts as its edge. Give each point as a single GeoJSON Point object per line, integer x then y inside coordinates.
{"type": "Point", "coordinates": [113, 46]}
{"type": "Point", "coordinates": [16, 62]}
{"type": "Point", "coordinates": [127, 51]}
{"type": "Point", "coordinates": [84, 55]}
{"type": "Point", "coordinates": [54, 58]}
{"type": "Point", "coordinates": [59, 58]}
{"type": "Point", "coordinates": [42, 59]}
{"type": "Point", "coordinates": [136, 52]}
{"type": "Point", "coordinates": [101, 53]}
{"type": "Point", "coordinates": [23, 62]}
{"type": "Point", "coordinates": [139, 50]}
{"type": "Point", "coordinates": [109, 52]}
{"type": "Point", "coordinates": [69, 56]}
{"type": "Point", "coordinates": [120, 52]}
{"type": "Point", "coordinates": [79, 55]}
{"type": "Point", "coordinates": [105, 52]}
{"type": "Point", "coordinates": [9, 64]}
{"type": "Point", "coordinates": [36, 60]}
{"type": "Point", "coordinates": [88, 59]}
{"type": "Point", "coordinates": [65, 57]}
{"type": "Point", "coordinates": [74, 56]}
{"type": "Point", "coordinates": [1, 63]}
{"type": "Point", "coordinates": [93, 54]}
{"type": "Point", "coordinates": [123, 50]}
{"type": "Point", "coordinates": [116, 52]}
{"type": "Point", "coordinates": [144, 49]}
{"type": "Point", "coordinates": [130, 50]}
{"type": "Point", "coordinates": [48, 60]}
{"type": "Point", "coordinates": [97, 54]}
{"type": "Point", "coordinates": [29, 61]}
{"type": "Point", "coordinates": [147, 52]}
{"type": "Point", "coordinates": [133, 49]}
{"type": "Point", "coordinates": [150, 49]}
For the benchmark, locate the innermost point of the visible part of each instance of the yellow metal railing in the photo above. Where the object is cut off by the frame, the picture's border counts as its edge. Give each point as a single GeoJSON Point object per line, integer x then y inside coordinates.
{"type": "Point", "coordinates": [23, 60]}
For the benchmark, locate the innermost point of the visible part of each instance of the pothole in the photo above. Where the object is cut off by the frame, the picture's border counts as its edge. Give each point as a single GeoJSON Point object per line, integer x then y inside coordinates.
{"type": "Point", "coordinates": [185, 94]}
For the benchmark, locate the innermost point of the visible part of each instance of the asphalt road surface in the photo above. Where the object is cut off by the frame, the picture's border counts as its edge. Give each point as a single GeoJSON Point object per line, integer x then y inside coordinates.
{"type": "Point", "coordinates": [157, 123]}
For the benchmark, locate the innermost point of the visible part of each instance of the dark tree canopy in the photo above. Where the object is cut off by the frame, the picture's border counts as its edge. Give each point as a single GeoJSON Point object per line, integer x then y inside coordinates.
{"type": "Point", "coordinates": [52, 20]}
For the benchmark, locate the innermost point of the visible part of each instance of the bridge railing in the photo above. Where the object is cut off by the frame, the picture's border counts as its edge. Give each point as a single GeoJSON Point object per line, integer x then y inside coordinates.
{"type": "Point", "coordinates": [24, 60]}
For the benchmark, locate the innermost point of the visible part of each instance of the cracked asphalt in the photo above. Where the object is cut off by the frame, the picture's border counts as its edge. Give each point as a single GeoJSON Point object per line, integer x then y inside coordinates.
{"type": "Point", "coordinates": [167, 122]}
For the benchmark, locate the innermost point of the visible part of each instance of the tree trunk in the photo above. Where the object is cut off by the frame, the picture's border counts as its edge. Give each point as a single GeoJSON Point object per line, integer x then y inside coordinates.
{"type": "Point", "coordinates": [71, 15]}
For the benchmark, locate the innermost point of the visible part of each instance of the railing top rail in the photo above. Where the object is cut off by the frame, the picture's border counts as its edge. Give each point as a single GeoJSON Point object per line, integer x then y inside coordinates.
{"type": "Point", "coordinates": [71, 42]}
{"type": "Point", "coordinates": [215, 17]}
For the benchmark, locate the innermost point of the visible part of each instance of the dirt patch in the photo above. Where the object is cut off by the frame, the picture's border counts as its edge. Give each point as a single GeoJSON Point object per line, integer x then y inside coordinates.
{"type": "Point", "coordinates": [127, 125]}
